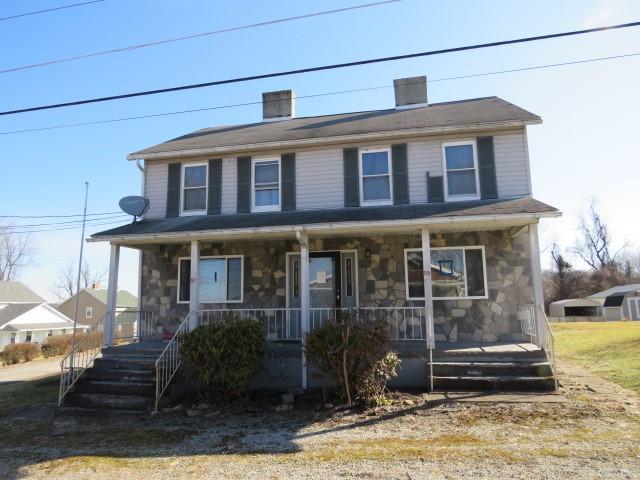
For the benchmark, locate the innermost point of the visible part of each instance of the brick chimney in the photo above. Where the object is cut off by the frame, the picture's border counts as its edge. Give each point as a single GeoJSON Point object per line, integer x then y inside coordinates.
{"type": "Point", "coordinates": [278, 105]}
{"type": "Point", "coordinates": [410, 92]}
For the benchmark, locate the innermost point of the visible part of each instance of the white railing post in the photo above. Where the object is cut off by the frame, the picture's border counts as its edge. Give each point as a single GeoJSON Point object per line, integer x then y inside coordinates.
{"type": "Point", "coordinates": [112, 295]}
{"type": "Point", "coordinates": [536, 281]}
{"type": "Point", "coordinates": [304, 298]}
{"type": "Point", "coordinates": [428, 299]}
{"type": "Point", "coordinates": [194, 284]}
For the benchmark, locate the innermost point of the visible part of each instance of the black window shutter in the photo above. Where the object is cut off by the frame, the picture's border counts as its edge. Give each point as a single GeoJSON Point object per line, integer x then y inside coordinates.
{"type": "Point", "coordinates": [351, 178]}
{"type": "Point", "coordinates": [435, 189]}
{"type": "Point", "coordinates": [487, 168]}
{"type": "Point", "coordinates": [214, 203]}
{"type": "Point", "coordinates": [244, 184]}
{"type": "Point", "coordinates": [288, 170]}
{"type": "Point", "coordinates": [173, 190]}
{"type": "Point", "coordinates": [400, 174]}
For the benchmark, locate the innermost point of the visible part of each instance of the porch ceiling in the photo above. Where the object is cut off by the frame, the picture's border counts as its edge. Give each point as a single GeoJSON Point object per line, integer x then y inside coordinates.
{"type": "Point", "coordinates": [441, 217]}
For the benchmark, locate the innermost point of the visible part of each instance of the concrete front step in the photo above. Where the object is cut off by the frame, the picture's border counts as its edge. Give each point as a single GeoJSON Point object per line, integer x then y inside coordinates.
{"type": "Point", "coordinates": [491, 369]}
{"type": "Point", "coordinates": [116, 387]}
{"type": "Point", "coordinates": [488, 356]}
{"type": "Point", "coordinates": [512, 383]}
{"type": "Point", "coordinates": [124, 363]}
{"type": "Point", "coordinates": [133, 375]}
{"type": "Point", "coordinates": [100, 401]}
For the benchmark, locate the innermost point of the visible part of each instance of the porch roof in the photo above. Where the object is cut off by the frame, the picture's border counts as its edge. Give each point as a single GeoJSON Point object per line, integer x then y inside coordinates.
{"type": "Point", "coordinates": [507, 210]}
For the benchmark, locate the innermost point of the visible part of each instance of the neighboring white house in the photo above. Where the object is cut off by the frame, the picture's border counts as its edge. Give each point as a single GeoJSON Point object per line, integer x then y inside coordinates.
{"type": "Point", "coordinates": [25, 317]}
{"type": "Point", "coordinates": [574, 309]}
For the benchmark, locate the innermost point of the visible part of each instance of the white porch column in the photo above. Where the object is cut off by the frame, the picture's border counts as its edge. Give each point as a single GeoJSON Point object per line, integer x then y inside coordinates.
{"type": "Point", "coordinates": [112, 295]}
{"type": "Point", "coordinates": [536, 278]}
{"type": "Point", "coordinates": [428, 295]}
{"type": "Point", "coordinates": [304, 298]}
{"type": "Point", "coordinates": [194, 284]}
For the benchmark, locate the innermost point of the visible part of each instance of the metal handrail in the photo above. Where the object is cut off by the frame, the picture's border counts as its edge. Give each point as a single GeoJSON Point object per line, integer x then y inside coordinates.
{"type": "Point", "coordinates": [280, 323]}
{"type": "Point", "coordinates": [539, 332]}
{"type": "Point", "coordinates": [74, 364]}
{"type": "Point", "coordinates": [169, 361]}
{"type": "Point", "coordinates": [548, 341]}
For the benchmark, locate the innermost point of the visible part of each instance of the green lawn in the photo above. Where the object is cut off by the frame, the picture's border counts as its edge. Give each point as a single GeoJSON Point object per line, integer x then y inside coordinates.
{"type": "Point", "coordinates": [17, 396]}
{"type": "Point", "coordinates": [611, 349]}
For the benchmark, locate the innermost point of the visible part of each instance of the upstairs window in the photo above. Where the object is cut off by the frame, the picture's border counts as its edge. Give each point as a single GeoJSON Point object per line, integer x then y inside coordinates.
{"type": "Point", "coordinates": [460, 171]}
{"type": "Point", "coordinates": [194, 189]}
{"type": "Point", "coordinates": [456, 272]}
{"type": "Point", "coordinates": [220, 280]}
{"type": "Point", "coordinates": [88, 312]}
{"type": "Point", "coordinates": [266, 185]}
{"type": "Point", "coordinates": [375, 177]}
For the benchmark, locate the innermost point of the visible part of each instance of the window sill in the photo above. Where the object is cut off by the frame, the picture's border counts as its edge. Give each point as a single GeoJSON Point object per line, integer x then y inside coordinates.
{"type": "Point", "coordinates": [191, 213]}
{"type": "Point", "coordinates": [187, 302]}
{"type": "Point", "coordinates": [461, 198]}
{"type": "Point", "coordinates": [376, 203]}
{"type": "Point", "coordinates": [275, 208]}
{"type": "Point", "coordinates": [421, 299]}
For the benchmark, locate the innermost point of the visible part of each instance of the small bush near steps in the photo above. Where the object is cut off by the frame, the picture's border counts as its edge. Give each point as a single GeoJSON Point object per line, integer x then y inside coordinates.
{"type": "Point", "coordinates": [356, 357]}
{"type": "Point", "coordinates": [20, 352]}
{"type": "Point", "coordinates": [223, 357]}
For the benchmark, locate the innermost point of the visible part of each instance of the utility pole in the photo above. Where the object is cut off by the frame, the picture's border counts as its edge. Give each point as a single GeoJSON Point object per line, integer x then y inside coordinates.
{"type": "Point", "coordinates": [75, 316]}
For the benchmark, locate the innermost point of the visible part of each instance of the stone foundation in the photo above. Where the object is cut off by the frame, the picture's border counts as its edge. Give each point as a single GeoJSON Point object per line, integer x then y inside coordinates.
{"type": "Point", "coordinates": [381, 279]}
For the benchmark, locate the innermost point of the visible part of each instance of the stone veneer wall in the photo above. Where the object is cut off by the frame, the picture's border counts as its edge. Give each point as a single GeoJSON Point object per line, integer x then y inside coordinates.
{"type": "Point", "coordinates": [381, 279]}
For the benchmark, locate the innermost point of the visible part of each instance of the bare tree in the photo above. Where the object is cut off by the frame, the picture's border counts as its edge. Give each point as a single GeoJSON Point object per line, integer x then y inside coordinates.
{"type": "Point", "coordinates": [65, 284]}
{"type": "Point", "coordinates": [594, 244]}
{"type": "Point", "coordinates": [15, 253]}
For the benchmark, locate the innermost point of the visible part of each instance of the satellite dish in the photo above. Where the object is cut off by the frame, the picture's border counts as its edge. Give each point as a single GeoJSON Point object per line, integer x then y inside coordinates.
{"type": "Point", "coordinates": [134, 205]}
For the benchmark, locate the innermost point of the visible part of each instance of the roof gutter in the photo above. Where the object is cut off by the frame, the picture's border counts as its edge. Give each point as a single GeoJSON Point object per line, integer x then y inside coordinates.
{"type": "Point", "coordinates": [325, 227]}
{"type": "Point", "coordinates": [331, 140]}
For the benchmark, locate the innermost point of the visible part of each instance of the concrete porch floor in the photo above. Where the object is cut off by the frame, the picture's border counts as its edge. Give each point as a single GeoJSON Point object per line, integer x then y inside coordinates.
{"type": "Point", "coordinates": [479, 347]}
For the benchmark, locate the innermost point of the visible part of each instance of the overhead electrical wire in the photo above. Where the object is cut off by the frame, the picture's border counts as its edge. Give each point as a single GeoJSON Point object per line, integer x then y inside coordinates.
{"type": "Point", "coordinates": [339, 92]}
{"type": "Point", "coordinates": [195, 35]}
{"type": "Point", "coordinates": [11, 227]}
{"type": "Point", "coordinates": [62, 7]}
{"type": "Point", "coordinates": [333, 66]}
{"type": "Point", "coordinates": [60, 216]}
{"type": "Point", "coordinates": [59, 229]}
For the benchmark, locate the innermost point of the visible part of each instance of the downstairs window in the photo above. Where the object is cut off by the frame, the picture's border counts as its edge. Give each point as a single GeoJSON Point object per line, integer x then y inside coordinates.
{"type": "Point", "coordinates": [220, 280]}
{"type": "Point", "coordinates": [456, 272]}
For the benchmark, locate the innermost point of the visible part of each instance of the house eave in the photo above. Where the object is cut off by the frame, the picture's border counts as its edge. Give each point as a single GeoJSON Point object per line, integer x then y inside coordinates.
{"type": "Point", "coordinates": [438, 224]}
{"type": "Point", "coordinates": [379, 135]}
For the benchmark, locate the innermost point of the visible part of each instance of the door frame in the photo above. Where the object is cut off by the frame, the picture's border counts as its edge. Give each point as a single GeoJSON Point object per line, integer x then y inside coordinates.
{"type": "Point", "coordinates": [311, 252]}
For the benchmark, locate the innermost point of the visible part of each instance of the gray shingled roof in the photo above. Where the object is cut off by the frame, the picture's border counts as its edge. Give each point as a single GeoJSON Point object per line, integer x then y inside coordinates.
{"type": "Point", "coordinates": [462, 113]}
{"type": "Point", "coordinates": [16, 292]}
{"type": "Point", "coordinates": [306, 217]}
{"type": "Point", "coordinates": [123, 299]}
{"type": "Point", "coordinates": [12, 311]}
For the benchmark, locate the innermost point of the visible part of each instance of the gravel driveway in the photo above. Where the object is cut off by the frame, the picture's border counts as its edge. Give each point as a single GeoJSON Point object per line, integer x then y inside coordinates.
{"type": "Point", "coordinates": [29, 370]}
{"type": "Point", "coordinates": [595, 433]}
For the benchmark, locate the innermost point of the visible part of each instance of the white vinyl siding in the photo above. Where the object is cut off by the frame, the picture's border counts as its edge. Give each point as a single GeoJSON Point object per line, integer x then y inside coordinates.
{"type": "Point", "coordinates": [156, 177]}
{"type": "Point", "coordinates": [320, 172]}
{"type": "Point", "coordinates": [319, 179]}
{"type": "Point", "coordinates": [229, 185]}
{"type": "Point", "coordinates": [512, 174]}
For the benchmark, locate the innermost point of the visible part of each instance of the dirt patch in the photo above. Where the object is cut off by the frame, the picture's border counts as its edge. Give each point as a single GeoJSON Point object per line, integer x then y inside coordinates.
{"type": "Point", "coordinates": [594, 434]}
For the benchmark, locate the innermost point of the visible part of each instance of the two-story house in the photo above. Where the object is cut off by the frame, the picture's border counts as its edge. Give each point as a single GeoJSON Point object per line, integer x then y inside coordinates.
{"type": "Point", "coordinates": [294, 219]}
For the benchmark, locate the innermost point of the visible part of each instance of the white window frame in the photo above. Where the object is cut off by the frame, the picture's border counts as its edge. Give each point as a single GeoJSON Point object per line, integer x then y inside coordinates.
{"type": "Point", "coordinates": [464, 264]}
{"type": "Point", "coordinates": [88, 312]}
{"type": "Point", "coordinates": [184, 212]}
{"type": "Point", "coordinates": [265, 208]}
{"type": "Point", "coordinates": [361, 153]}
{"type": "Point", "coordinates": [467, 196]}
{"type": "Point", "coordinates": [226, 266]}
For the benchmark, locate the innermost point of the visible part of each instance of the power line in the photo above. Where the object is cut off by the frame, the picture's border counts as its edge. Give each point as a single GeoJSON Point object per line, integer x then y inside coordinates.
{"type": "Point", "coordinates": [339, 92]}
{"type": "Point", "coordinates": [318, 68]}
{"type": "Point", "coordinates": [59, 216]}
{"type": "Point", "coordinates": [195, 35]}
{"type": "Point", "coordinates": [11, 227]}
{"type": "Point", "coordinates": [62, 228]}
{"type": "Point", "coordinates": [50, 9]}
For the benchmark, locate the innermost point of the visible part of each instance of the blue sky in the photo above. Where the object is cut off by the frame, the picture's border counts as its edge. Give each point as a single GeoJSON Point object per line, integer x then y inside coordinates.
{"type": "Point", "coordinates": [585, 148]}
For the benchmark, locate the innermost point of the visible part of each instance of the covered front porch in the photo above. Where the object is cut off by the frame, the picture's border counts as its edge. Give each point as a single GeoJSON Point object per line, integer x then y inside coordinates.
{"type": "Point", "coordinates": [482, 283]}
